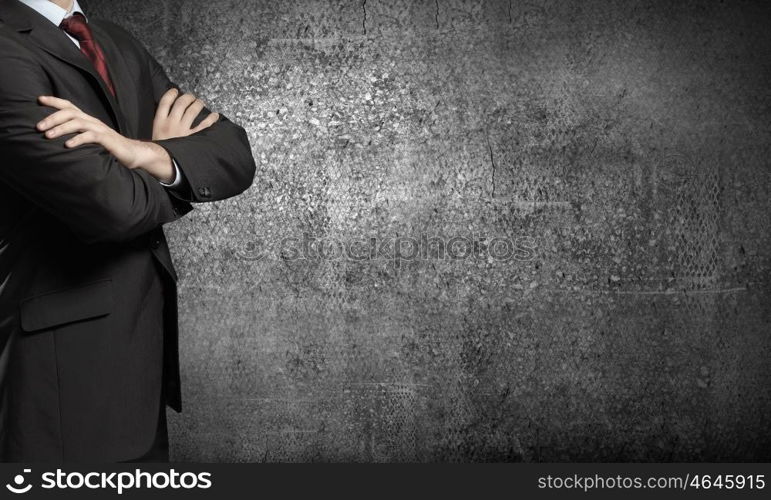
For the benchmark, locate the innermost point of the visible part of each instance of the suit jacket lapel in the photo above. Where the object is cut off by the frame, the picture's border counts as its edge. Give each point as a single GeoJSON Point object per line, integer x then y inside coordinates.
{"type": "Point", "coordinates": [54, 41]}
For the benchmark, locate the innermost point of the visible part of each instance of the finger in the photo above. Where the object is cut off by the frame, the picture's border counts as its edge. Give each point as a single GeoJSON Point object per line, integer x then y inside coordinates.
{"type": "Point", "coordinates": [87, 137]}
{"type": "Point", "coordinates": [191, 113]}
{"type": "Point", "coordinates": [63, 116]}
{"type": "Point", "coordinates": [207, 122]}
{"type": "Point", "coordinates": [164, 105]}
{"type": "Point", "coordinates": [180, 105]}
{"type": "Point", "coordinates": [55, 102]}
{"type": "Point", "coordinates": [70, 127]}
{"type": "Point", "coordinates": [56, 118]}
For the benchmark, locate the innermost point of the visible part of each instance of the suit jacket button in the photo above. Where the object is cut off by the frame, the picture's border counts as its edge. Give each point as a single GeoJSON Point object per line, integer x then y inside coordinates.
{"type": "Point", "coordinates": [156, 244]}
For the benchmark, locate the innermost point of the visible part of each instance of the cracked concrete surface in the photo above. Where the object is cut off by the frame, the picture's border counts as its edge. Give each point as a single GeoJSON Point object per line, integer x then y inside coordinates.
{"type": "Point", "coordinates": [622, 146]}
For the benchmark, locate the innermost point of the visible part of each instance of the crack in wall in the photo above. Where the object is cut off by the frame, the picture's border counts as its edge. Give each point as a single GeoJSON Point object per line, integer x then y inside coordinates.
{"type": "Point", "coordinates": [364, 20]}
{"type": "Point", "coordinates": [492, 163]}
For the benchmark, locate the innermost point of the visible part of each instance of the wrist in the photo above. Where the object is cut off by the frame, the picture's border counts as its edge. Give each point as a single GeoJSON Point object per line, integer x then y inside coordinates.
{"type": "Point", "coordinates": [155, 160]}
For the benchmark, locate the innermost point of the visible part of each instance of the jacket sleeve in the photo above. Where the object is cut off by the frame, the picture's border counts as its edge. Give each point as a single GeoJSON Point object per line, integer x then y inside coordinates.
{"type": "Point", "coordinates": [216, 162]}
{"type": "Point", "coordinates": [86, 188]}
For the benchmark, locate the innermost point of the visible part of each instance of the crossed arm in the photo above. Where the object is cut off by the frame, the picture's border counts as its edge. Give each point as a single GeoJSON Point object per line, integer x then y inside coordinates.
{"type": "Point", "coordinates": [173, 118]}
{"type": "Point", "coordinates": [102, 186]}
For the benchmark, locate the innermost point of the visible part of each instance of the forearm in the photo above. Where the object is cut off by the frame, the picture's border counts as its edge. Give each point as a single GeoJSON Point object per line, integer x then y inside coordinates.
{"type": "Point", "coordinates": [216, 160]}
{"type": "Point", "coordinates": [132, 153]}
{"type": "Point", "coordinates": [89, 190]}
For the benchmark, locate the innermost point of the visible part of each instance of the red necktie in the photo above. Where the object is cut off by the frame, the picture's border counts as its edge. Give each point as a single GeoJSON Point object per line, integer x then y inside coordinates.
{"type": "Point", "coordinates": [77, 27]}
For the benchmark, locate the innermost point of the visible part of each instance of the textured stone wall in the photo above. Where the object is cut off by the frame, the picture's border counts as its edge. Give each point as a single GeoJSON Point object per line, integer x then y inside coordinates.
{"type": "Point", "coordinates": [555, 215]}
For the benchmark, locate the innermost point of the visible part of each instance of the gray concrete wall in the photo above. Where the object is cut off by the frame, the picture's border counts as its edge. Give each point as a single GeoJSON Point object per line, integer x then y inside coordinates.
{"type": "Point", "coordinates": [605, 166]}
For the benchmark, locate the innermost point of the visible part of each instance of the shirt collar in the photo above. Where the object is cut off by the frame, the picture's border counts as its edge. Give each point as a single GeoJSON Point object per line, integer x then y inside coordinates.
{"type": "Point", "coordinates": [51, 11]}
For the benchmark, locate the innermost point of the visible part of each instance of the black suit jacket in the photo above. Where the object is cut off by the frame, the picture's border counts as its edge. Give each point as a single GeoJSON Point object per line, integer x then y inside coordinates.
{"type": "Point", "coordinates": [88, 314]}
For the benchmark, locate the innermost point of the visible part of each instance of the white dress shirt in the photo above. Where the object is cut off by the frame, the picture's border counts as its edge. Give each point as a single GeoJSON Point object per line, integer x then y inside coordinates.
{"type": "Point", "coordinates": [56, 15]}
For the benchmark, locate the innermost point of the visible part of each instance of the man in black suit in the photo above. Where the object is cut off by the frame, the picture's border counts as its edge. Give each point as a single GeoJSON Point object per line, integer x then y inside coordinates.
{"type": "Point", "coordinates": [97, 151]}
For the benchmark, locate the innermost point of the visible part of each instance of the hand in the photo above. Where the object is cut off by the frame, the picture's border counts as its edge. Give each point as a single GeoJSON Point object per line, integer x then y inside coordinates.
{"type": "Point", "coordinates": [89, 130]}
{"type": "Point", "coordinates": [175, 116]}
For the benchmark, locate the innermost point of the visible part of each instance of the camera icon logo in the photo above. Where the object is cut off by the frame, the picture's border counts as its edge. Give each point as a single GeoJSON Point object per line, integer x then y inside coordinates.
{"type": "Point", "coordinates": [18, 485]}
